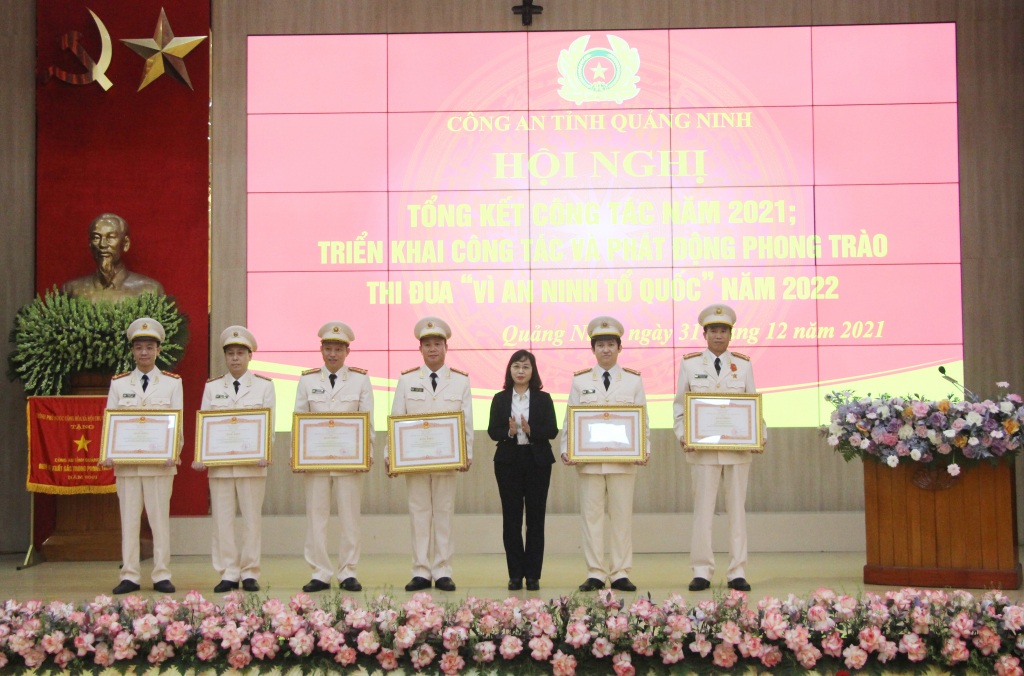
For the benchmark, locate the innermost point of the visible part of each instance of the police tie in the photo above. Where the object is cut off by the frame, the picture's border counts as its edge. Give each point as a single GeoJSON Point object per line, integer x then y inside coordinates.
{"type": "Point", "coordinates": [236, 387]}
{"type": "Point", "coordinates": [607, 380]}
{"type": "Point", "coordinates": [433, 381]}
{"type": "Point", "coordinates": [332, 378]}
{"type": "Point", "coordinates": [718, 365]}
{"type": "Point", "coordinates": [145, 382]}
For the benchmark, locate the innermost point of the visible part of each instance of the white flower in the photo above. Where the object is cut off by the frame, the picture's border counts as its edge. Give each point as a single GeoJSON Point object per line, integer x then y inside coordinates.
{"type": "Point", "coordinates": [883, 412]}
{"type": "Point", "coordinates": [892, 461]}
{"type": "Point", "coordinates": [933, 436]}
{"type": "Point", "coordinates": [835, 428]}
{"type": "Point", "coordinates": [915, 455]}
{"type": "Point", "coordinates": [974, 418]}
{"type": "Point", "coordinates": [833, 440]}
{"type": "Point", "coordinates": [973, 441]}
{"type": "Point", "coordinates": [949, 433]}
{"type": "Point", "coordinates": [906, 432]}
{"type": "Point", "coordinates": [1002, 383]}
{"type": "Point", "coordinates": [997, 434]}
{"type": "Point", "coordinates": [865, 444]}
{"type": "Point", "coordinates": [866, 401]}
{"type": "Point", "coordinates": [1006, 407]}
{"type": "Point", "coordinates": [953, 469]}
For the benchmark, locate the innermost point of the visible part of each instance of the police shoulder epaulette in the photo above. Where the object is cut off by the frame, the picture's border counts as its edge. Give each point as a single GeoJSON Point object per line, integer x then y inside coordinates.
{"type": "Point", "coordinates": [264, 377]}
{"type": "Point", "coordinates": [414, 368]}
{"type": "Point", "coordinates": [215, 378]}
{"type": "Point", "coordinates": [353, 368]}
{"type": "Point", "coordinates": [634, 372]}
{"type": "Point", "coordinates": [579, 373]}
{"type": "Point", "coordinates": [692, 355]}
{"type": "Point", "coordinates": [122, 375]}
{"type": "Point", "coordinates": [463, 373]}
{"type": "Point", "coordinates": [308, 371]}
{"type": "Point", "coordinates": [173, 375]}
{"type": "Point", "coordinates": [741, 356]}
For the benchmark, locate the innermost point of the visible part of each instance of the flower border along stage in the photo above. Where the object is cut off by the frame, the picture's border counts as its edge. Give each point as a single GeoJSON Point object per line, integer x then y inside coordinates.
{"type": "Point", "coordinates": [948, 434]}
{"type": "Point", "coordinates": [902, 631]}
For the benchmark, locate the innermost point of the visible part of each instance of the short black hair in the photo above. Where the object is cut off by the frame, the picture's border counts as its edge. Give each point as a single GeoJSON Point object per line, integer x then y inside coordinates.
{"type": "Point", "coordinates": [239, 345]}
{"type": "Point", "coordinates": [137, 338]}
{"type": "Point", "coordinates": [708, 326]}
{"type": "Point", "coordinates": [605, 336]}
{"type": "Point", "coordinates": [434, 335]}
{"type": "Point", "coordinates": [519, 355]}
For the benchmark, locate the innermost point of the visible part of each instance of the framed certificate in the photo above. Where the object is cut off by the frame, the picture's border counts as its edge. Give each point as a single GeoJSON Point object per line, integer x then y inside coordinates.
{"type": "Point", "coordinates": [132, 437]}
{"type": "Point", "coordinates": [234, 436]}
{"type": "Point", "coordinates": [337, 442]}
{"type": "Point", "coordinates": [607, 434]}
{"type": "Point", "coordinates": [723, 422]}
{"type": "Point", "coordinates": [427, 442]}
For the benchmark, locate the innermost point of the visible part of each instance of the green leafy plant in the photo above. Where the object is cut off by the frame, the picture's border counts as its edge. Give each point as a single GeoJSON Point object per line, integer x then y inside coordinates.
{"type": "Point", "coordinates": [56, 337]}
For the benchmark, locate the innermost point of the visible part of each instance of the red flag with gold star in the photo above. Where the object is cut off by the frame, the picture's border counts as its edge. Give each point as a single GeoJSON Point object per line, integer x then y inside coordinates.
{"type": "Point", "coordinates": [64, 446]}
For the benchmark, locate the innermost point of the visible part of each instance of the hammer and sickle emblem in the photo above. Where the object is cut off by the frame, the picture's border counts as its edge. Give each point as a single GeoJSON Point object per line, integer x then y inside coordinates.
{"type": "Point", "coordinates": [70, 41]}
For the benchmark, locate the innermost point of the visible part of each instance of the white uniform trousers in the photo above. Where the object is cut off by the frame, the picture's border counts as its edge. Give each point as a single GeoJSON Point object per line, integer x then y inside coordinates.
{"type": "Point", "coordinates": [348, 493]}
{"type": "Point", "coordinates": [226, 560]}
{"type": "Point", "coordinates": [705, 488]}
{"type": "Point", "coordinates": [155, 493]}
{"type": "Point", "coordinates": [432, 507]}
{"type": "Point", "coordinates": [615, 491]}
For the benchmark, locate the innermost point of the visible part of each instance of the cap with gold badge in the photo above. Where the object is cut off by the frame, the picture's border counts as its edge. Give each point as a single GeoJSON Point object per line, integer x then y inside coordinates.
{"type": "Point", "coordinates": [605, 326]}
{"type": "Point", "coordinates": [146, 327]}
{"type": "Point", "coordinates": [432, 326]}
{"type": "Point", "coordinates": [717, 314]}
{"type": "Point", "coordinates": [238, 335]}
{"type": "Point", "coordinates": [339, 331]}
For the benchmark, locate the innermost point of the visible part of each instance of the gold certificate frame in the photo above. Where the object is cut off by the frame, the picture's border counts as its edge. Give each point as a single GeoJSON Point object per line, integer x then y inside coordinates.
{"type": "Point", "coordinates": [336, 442]}
{"type": "Point", "coordinates": [427, 442]}
{"type": "Point", "coordinates": [615, 434]}
{"type": "Point", "coordinates": [134, 437]}
{"type": "Point", "coordinates": [723, 422]}
{"type": "Point", "coordinates": [238, 436]}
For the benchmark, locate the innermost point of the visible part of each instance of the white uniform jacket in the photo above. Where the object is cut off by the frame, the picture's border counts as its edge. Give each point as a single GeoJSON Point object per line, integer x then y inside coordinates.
{"type": "Point", "coordinates": [626, 389]}
{"type": "Point", "coordinates": [697, 374]}
{"type": "Point", "coordinates": [253, 392]}
{"type": "Point", "coordinates": [414, 394]}
{"type": "Point", "coordinates": [163, 392]}
{"type": "Point", "coordinates": [351, 393]}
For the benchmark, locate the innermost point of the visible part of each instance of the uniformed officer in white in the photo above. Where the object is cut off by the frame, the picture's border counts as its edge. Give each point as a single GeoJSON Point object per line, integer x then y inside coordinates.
{"type": "Point", "coordinates": [238, 388]}
{"type": "Point", "coordinates": [433, 388]}
{"type": "Point", "coordinates": [716, 369]}
{"type": "Point", "coordinates": [606, 484]}
{"type": "Point", "coordinates": [147, 387]}
{"type": "Point", "coordinates": [334, 388]}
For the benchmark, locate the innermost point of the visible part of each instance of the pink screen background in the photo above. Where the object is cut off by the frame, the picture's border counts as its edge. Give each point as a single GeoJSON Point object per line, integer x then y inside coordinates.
{"type": "Point", "coordinates": [853, 133]}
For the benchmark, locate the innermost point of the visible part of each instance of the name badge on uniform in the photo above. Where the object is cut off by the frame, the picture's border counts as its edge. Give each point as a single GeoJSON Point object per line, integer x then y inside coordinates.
{"type": "Point", "coordinates": [128, 395]}
{"type": "Point", "coordinates": [415, 389]}
{"type": "Point", "coordinates": [702, 375]}
{"type": "Point", "coordinates": [220, 396]}
{"type": "Point", "coordinates": [589, 391]}
{"type": "Point", "coordinates": [318, 391]}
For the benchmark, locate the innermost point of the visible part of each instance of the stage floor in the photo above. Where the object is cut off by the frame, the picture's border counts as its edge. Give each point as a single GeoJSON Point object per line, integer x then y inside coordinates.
{"type": "Point", "coordinates": [481, 575]}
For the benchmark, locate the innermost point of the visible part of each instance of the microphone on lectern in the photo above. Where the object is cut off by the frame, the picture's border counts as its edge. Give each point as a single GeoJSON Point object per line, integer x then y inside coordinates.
{"type": "Point", "coordinates": [942, 370]}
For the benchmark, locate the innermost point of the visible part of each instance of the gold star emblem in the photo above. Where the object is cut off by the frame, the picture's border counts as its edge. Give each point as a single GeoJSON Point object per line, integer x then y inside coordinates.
{"type": "Point", "coordinates": [598, 72]}
{"type": "Point", "coordinates": [164, 53]}
{"type": "Point", "coordinates": [82, 444]}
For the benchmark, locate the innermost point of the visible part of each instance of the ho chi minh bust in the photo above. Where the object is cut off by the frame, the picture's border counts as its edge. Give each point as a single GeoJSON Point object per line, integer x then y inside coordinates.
{"type": "Point", "coordinates": [112, 281]}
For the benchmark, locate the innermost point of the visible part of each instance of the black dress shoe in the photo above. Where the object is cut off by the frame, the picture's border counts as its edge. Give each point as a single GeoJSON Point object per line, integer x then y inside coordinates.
{"type": "Point", "coordinates": [315, 586]}
{"type": "Point", "coordinates": [164, 587]}
{"type": "Point", "coordinates": [532, 585]}
{"type": "Point", "coordinates": [591, 584]}
{"type": "Point", "coordinates": [623, 584]}
{"type": "Point", "coordinates": [739, 584]}
{"type": "Point", "coordinates": [351, 584]}
{"type": "Point", "coordinates": [699, 584]}
{"type": "Point", "coordinates": [417, 583]}
{"type": "Point", "coordinates": [445, 584]}
{"type": "Point", "coordinates": [250, 585]}
{"type": "Point", "coordinates": [126, 587]}
{"type": "Point", "coordinates": [514, 584]}
{"type": "Point", "coordinates": [225, 586]}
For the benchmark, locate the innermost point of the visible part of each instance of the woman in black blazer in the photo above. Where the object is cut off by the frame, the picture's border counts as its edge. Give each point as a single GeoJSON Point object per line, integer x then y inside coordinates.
{"type": "Point", "coordinates": [523, 423]}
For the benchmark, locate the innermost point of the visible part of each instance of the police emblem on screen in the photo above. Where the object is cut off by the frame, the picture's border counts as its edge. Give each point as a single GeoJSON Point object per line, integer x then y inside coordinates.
{"type": "Point", "coordinates": [598, 74]}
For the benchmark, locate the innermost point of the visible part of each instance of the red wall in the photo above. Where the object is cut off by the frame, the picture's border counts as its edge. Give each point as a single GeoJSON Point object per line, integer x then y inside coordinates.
{"type": "Point", "coordinates": [141, 154]}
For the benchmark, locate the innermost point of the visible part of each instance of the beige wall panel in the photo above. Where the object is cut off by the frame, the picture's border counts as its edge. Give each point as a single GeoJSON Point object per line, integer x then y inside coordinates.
{"type": "Point", "coordinates": [735, 13]}
{"type": "Point", "coordinates": [829, 12]}
{"type": "Point", "coordinates": [17, 254]}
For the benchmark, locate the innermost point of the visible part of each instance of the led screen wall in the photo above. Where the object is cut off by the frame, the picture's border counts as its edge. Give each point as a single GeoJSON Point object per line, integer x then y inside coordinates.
{"type": "Point", "coordinates": [518, 185]}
